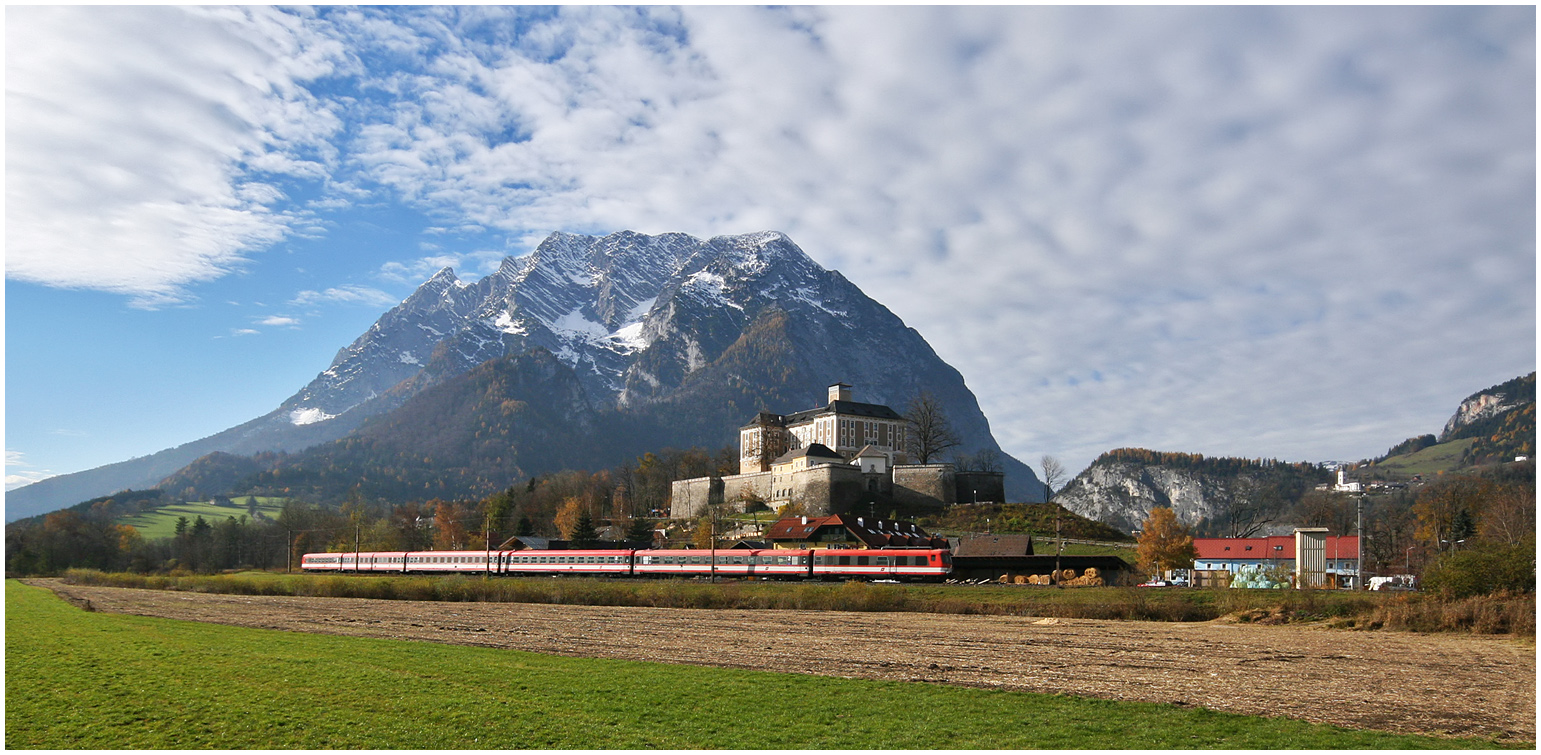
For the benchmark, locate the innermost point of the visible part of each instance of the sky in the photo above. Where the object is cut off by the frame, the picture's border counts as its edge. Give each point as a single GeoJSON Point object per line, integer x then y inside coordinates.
{"type": "Point", "coordinates": [1302, 233]}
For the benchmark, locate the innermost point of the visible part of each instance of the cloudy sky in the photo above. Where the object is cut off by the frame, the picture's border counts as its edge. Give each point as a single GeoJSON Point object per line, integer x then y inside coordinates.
{"type": "Point", "coordinates": [1299, 233]}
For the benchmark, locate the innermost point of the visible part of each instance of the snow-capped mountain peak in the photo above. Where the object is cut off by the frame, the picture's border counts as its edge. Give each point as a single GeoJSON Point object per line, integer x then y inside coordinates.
{"type": "Point", "coordinates": [596, 302]}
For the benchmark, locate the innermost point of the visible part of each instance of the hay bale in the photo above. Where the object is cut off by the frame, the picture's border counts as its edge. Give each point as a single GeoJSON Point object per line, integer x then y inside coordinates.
{"type": "Point", "coordinates": [1091, 571]}
{"type": "Point", "coordinates": [1020, 579]}
{"type": "Point", "coordinates": [1068, 574]}
{"type": "Point", "coordinates": [1004, 579]}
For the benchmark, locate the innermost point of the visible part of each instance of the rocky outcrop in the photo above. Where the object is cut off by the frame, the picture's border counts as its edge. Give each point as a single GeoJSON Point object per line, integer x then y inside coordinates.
{"type": "Point", "coordinates": [1122, 494]}
{"type": "Point", "coordinates": [1479, 407]}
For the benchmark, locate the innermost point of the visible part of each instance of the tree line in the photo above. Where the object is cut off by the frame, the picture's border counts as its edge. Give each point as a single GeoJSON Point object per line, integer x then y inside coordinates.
{"type": "Point", "coordinates": [571, 505]}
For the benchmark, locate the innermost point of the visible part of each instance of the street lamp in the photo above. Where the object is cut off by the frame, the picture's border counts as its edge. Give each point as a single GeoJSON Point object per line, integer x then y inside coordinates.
{"type": "Point", "coordinates": [1408, 556]}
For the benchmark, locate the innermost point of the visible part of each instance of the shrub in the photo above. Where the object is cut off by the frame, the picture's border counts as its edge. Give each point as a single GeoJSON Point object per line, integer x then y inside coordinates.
{"type": "Point", "coordinates": [1482, 570]}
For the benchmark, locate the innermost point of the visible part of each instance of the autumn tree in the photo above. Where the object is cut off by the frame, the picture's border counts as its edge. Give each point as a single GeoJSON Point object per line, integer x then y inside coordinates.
{"type": "Point", "coordinates": [449, 531]}
{"type": "Point", "coordinates": [1165, 543]}
{"type": "Point", "coordinates": [567, 516]}
{"type": "Point", "coordinates": [707, 530]}
{"type": "Point", "coordinates": [931, 432]}
{"type": "Point", "coordinates": [1448, 509]}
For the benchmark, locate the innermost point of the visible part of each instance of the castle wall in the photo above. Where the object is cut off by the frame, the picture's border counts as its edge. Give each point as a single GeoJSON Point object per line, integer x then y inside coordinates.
{"type": "Point", "coordinates": [981, 487]}
{"type": "Point", "coordinates": [737, 487]}
{"type": "Point", "coordinates": [827, 489]}
{"type": "Point", "coordinates": [932, 485]}
{"type": "Point", "coordinates": [689, 498]}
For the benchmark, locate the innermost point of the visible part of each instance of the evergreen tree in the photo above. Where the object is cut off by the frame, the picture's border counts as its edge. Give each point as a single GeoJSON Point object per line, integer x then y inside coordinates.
{"type": "Point", "coordinates": [583, 533]}
{"type": "Point", "coordinates": [641, 532]}
{"type": "Point", "coordinates": [525, 528]}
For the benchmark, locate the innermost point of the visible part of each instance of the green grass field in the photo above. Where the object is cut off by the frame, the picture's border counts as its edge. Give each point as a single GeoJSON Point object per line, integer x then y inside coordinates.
{"type": "Point", "coordinates": [1429, 461]}
{"type": "Point", "coordinates": [162, 522]}
{"type": "Point", "coordinates": [78, 679]}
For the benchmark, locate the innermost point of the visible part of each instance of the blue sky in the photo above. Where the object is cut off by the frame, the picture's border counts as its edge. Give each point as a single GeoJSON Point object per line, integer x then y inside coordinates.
{"type": "Point", "coordinates": [1301, 233]}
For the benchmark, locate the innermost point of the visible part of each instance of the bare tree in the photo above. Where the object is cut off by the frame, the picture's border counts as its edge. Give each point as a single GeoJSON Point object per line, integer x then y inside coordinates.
{"type": "Point", "coordinates": [1053, 475]}
{"type": "Point", "coordinates": [931, 433]}
{"type": "Point", "coordinates": [1248, 506]}
{"type": "Point", "coordinates": [987, 460]}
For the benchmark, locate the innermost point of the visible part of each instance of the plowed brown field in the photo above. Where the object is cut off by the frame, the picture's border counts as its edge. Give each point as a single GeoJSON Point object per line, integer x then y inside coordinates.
{"type": "Point", "coordinates": [1392, 681]}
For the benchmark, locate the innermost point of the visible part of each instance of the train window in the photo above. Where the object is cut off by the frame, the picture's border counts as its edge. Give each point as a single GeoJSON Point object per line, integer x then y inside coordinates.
{"type": "Point", "coordinates": [882, 560]}
{"type": "Point", "coordinates": [738, 559]}
{"type": "Point", "coordinates": [863, 560]}
{"type": "Point", "coordinates": [845, 560]}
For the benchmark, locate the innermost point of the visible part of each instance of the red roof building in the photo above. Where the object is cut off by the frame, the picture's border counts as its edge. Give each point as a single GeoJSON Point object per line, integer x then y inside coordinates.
{"type": "Point", "coordinates": [1229, 554]}
{"type": "Point", "coordinates": [849, 531]}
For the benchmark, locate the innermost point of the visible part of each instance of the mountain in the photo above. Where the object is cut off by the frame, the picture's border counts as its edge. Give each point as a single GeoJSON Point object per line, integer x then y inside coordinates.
{"type": "Point", "coordinates": [1502, 419]}
{"type": "Point", "coordinates": [1122, 486]}
{"type": "Point", "coordinates": [669, 340]}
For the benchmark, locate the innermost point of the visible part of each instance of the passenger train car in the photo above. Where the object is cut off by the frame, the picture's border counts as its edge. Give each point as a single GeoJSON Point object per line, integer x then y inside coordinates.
{"type": "Point", "coordinates": [910, 564]}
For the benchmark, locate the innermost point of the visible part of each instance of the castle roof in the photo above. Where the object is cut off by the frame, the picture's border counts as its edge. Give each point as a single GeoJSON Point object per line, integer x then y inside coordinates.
{"type": "Point", "coordinates": [815, 450]}
{"type": "Point", "coordinates": [848, 408]}
{"type": "Point", "coordinates": [869, 451]}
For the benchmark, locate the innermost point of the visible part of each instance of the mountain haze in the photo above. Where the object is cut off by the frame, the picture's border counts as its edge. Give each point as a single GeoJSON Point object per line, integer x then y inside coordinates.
{"type": "Point", "coordinates": [654, 341]}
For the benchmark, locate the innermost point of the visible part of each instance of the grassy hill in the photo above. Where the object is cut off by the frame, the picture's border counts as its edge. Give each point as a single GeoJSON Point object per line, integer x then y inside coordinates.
{"type": "Point", "coordinates": [1442, 457]}
{"type": "Point", "coordinates": [162, 521]}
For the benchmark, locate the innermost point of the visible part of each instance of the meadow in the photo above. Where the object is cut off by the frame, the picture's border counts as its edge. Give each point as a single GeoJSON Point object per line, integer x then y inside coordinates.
{"type": "Point", "coordinates": [162, 522]}
{"type": "Point", "coordinates": [81, 679]}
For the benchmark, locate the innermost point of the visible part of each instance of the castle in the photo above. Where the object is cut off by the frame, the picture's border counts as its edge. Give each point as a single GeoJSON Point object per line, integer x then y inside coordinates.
{"type": "Point", "coordinates": [844, 456]}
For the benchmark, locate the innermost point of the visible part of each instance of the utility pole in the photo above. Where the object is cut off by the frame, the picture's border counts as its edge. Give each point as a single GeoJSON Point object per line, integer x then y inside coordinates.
{"type": "Point", "coordinates": [356, 527]}
{"type": "Point", "coordinates": [711, 518]}
{"type": "Point", "coordinates": [1058, 576]}
{"type": "Point", "coordinates": [289, 554]}
{"type": "Point", "coordinates": [1359, 544]}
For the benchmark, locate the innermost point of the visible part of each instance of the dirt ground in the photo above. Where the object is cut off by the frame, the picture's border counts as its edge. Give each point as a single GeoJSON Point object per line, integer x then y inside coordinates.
{"type": "Point", "coordinates": [1392, 681]}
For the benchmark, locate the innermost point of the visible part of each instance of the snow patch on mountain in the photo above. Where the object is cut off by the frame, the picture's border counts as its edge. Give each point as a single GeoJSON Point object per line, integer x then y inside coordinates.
{"type": "Point", "coordinates": [309, 416]}
{"type": "Point", "coordinates": [504, 322]}
{"type": "Point", "coordinates": [629, 338]}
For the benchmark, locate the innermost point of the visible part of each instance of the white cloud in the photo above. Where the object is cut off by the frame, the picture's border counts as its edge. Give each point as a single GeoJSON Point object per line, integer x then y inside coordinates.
{"type": "Point", "coordinates": [244, 332]}
{"type": "Point", "coordinates": [1294, 232]}
{"type": "Point", "coordinates": [469, 265]}
{"type": "Point", "coordinates": [144, 145]}
{"type": "Point", "coordinates": [1260, 231]}
{"type": "Point", "coordinates": [345, 294]}
{"type": "Point", "coordinates": [19, 472]}
{"type": "Point", "coordinates": [276, 321]}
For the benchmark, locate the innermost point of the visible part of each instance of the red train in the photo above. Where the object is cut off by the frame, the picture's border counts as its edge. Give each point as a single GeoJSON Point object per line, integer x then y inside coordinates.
{"type": "Point", "coordinates": [908, 564]}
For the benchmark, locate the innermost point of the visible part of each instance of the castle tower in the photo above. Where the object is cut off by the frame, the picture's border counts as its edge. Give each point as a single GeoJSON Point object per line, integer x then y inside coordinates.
{"type": "Point", "coordinates": [761, 441]}
{"type": "Point", "coordinates": [839, 392]}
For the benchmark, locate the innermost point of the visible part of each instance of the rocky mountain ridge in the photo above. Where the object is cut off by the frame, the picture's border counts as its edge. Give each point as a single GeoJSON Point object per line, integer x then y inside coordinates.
{"type": "Point", "coordinates": [651, 326]}
{"type": "Point", "coordinates": [1121, 491]}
